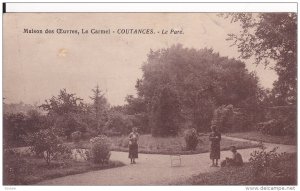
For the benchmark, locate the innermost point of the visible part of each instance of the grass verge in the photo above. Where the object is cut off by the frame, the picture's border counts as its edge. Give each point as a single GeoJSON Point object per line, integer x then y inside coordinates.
{"type": "Point", "coordinates": [257, 136]}
{"type": "Point", "coordinates": [27, 170]}
{"type": "Point", "coordinates": [244, 175]}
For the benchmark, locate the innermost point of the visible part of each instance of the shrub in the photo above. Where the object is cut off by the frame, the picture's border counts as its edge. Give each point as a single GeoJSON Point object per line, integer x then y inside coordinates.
{"type": "Point", "coordinates": [46, 144]}
{"type": "Point", "coordinates": [76, 136]}
{"type": "Point", "coordinates": [281, 120]}
{"type": "Point", "coordinates": [191, 139]}
{"type": "Point", "coordinates": [265, 165]}
{"type": "Point", "coordinates": [223, 118]}
{"type": "Point", "coordinates": [118, 123]}
{"type": "Point", "coordinates": [14, 168]}
{"type": "Point", "coordinates": [100, 149]}
{"type": "Point", "coordinates": [271, 127]}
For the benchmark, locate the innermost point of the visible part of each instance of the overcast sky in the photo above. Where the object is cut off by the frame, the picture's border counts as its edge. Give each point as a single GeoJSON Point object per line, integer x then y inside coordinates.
{"type": "Point", "coordinates": [37, 66]}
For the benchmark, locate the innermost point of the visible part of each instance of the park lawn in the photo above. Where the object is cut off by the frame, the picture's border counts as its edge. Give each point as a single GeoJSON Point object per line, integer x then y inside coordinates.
{"type": "Point", "coordinates": [257, 136]}
{"type": "Point", "coordinates": [244, 175]}
{"type": "Point", "coordinates": [29, 170]}
{"type": "Point", "coordinates": [169, 145]}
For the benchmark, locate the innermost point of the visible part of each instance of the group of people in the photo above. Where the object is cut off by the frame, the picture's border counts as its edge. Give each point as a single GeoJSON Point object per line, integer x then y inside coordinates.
{"type": "Point", "coordinates": [215, 151]}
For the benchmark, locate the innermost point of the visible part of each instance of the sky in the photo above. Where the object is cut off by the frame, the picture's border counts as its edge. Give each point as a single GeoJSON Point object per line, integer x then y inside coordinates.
{"type": "Point", "coordinates": [37, 66]}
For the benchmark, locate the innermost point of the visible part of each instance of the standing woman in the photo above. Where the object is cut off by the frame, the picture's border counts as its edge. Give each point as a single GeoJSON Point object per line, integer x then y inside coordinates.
{"type": "Point", "coordinates": [215, 138]}
{"type": "Point", "coordinates": [133, 145]}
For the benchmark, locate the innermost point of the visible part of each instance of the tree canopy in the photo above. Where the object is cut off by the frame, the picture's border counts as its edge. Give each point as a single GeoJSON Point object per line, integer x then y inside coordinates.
{"type": "Point", "coordinates": [270, 37]}
{"type": "Point", "coordinates": [182, 83]}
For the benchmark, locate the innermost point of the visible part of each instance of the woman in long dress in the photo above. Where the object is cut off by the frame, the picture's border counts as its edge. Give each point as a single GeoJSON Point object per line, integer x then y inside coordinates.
{"type": "Point", "coordinates": [133, 145]}
{"type": "Point", "coordinates": [215, 138]}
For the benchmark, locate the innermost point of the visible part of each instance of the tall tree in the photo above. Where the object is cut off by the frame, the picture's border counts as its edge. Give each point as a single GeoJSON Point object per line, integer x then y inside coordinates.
{"type": "Point", "coordinates": [64, 103]}
{"type": "Point", "coordinates": [165, 112]}
{"type": "Point", "coordinates": [65, 113]}
{"type": "Point", "coordinates": [99, 108]}
{"type": "Point", "coordinates": [197, 80]}
{"type": "Point", "coordinates": [270, 38]}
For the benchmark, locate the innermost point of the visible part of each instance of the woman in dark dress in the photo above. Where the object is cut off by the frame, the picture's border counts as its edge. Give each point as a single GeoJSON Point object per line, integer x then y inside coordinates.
{"type": "Point", "coordinates": [133, 145]}
{"type": "Point", "coordinates": [215, 138]}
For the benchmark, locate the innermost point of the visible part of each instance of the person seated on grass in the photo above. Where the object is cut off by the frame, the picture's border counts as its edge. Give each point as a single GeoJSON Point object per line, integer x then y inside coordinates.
{"type": "Point", "coordinates": [236, 159]}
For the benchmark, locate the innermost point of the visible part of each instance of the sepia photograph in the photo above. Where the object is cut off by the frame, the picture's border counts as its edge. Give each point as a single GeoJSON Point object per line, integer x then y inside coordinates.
{"type": "Point", "coordinates": [150, 99]}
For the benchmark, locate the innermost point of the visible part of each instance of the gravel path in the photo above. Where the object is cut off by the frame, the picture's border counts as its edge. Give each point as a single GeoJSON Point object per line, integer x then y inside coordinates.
{"type": "Point", "coordinates": [154, 169]}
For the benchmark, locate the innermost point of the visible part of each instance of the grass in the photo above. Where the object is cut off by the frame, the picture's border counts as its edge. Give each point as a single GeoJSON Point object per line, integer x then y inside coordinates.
{"type": "Point", "coordinates": [168, 145]}
{"type": "Point", "coordinates": [244, 175]}
{"type": "Point", "coordinates": [29, 170]}
{"type": "Point", "coordinates": [257, 136]}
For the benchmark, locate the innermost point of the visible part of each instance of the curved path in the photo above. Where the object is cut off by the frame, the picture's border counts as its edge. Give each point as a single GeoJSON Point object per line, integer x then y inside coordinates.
{"type": "Point", "coordinates": [154, 169]}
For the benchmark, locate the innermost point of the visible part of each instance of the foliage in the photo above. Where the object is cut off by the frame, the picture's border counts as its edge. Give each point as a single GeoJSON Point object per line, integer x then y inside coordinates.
{"type": "Point", "coordinates": [26, 170]}
{"type": "Point", "coordinates": [269, 38]}
{"type": "Point", "coordinates": [67, 113]}
{"type": "Point", "coordinates": [46, 144]}
{"type": "Point", "coordinates": [17, 125]}
{"type": "Point", "coordinates": [20, 107]}
{"type": "Point", "coordinates": [13, 128]}
{"type": "Point", "coordinates": [223, 118]}
{"type": "Point", "coordinates": [191, 138]}
{"type": "Point", "coordinates": [99, 110]}
{"type": "Point", "coordinates": [118, 123]}
{"type": "Point", "coordinates": [230, 119]}
{"type": "Point", "coordinates": [243, 175]}
{"type": "Point", "coordinates": [76, 136]}
{"type": "Point", "coordinates": [100, 149]}
{"type": "Point", "coordinates": [68, 123]}
{"type": "Point", "coordinates": [280, 120]}
{"type": "Point", "coordinates": [14, 168]}
{"type": "Point", "coordinates": [64, 103]}
{"type": "Point", "coordinates": [277, 127]}
{"type": "Point", "coordinates": [271, 127]}
{"type": "Point", "coordinates": [137, 108]}
{"type": "Point", "coordinates": [196, 81]}
{"type": "Point", "coordinates": [165, 113]}
{"type": "Point", "coordinates": [265, 165]}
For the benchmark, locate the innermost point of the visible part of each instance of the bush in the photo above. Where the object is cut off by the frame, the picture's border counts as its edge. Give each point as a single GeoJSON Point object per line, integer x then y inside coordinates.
{"type": "Point", "coordinates": [279, 127]}
{"type": "Point", "coordinates": [191, 139]}
{"type": "Point", "coordinates": [265, 165]}
{"type": "Point", "coordinates": [281, 120]}
{"type": "Point", "coordinates": [14, 168]}
{"type": "Point", "coordinates": [223, 118]}
{"type": "Point", "coordinates": [76, 136]}
{"type": "Point", "coordinates": [46, 144]}
{"type": "Point", "coordinates": [271, 127]}
{"type": "Point", "coordinates": [100, 149]}
{"type": "Point", "coordinates": [118, 123]}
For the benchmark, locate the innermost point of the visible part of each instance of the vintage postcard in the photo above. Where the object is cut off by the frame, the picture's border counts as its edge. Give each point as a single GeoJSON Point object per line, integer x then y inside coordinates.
{"type": "Point", "coordinates": [150, 98]}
